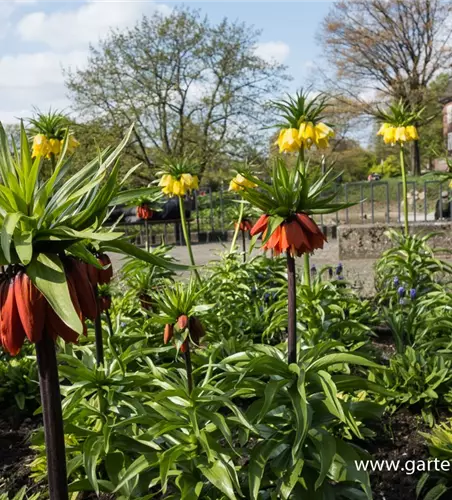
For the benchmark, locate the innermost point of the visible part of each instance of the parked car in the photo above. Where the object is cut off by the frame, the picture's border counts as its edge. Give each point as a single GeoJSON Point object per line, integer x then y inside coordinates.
{"type": "Point", "coordinates": [373, 177]}
{"type": "Point", "coordinates": [443, 209]}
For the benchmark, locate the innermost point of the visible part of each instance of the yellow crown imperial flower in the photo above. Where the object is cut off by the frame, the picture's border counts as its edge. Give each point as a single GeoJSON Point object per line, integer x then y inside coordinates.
{"type": "Point", "coordinates": [389, 136]}
{"type": "Point", "coordinates": [322, 134]}
{"type": "Point", "coordinates": [53, 148]}
{"type": "Point", "coordinates": [400, 134]}
{"type": "Point", "coordinates": [178, 187]}
{"type": "Point", "coordinates": [392, 134]}
{"type": "Point", "coordinates": [166, 183]}
{"type": "Point", "coordinates": [72, 144]}
{"type": "Point", "coordinates": [40, 145]}
{"type": "Point", "coordinates": [411, 133]}
{"type": "Point", "coordinates": [306, 134]}
{"type": "Point", "coordinates": [289, 140]}
{"type": "Point", "coordinates": [239, 182]}
{"type": "Point", "coordinates": [383, 128]}
{"type": "Point", "coordinates": [190, 181]}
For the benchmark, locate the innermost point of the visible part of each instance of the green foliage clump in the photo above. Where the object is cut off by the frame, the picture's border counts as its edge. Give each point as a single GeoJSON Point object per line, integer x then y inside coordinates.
{"type": "Point", "coordinates": [388, 168]}
{"type": "Point", "coordinates": [19, 386]}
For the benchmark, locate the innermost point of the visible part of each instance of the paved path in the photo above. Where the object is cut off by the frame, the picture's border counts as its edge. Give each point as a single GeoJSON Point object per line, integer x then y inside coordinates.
{"type": "Point", "coordinates": [358, 272]}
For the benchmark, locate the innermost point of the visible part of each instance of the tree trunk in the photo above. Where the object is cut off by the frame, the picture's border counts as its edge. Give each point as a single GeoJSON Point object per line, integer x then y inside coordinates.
{"type": "Point", "coordinates": [415, 159]}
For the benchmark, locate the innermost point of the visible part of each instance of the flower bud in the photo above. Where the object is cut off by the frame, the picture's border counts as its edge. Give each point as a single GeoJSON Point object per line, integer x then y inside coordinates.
{"type": "Point", "coordinates": [196, 329]}
{"type": "Point", "coordinates": [182, 322]}
{"type": "Point", "coordinates": [168, 333]}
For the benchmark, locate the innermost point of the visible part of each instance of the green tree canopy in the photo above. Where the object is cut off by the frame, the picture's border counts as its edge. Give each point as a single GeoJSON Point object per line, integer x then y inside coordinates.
{"type": "Point", "coordinates": [191, 87]}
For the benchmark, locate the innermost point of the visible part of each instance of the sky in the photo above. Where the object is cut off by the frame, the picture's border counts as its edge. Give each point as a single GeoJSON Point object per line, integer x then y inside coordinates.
{"type": "Point", "coordinates": [39, 38]}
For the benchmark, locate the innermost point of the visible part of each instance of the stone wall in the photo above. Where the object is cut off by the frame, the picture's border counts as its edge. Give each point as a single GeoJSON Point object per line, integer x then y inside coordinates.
{"type": "Point", "coordinates": [368, 241]}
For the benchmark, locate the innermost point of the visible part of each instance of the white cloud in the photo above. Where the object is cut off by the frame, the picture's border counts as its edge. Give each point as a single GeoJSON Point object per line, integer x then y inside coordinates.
{"type": "Point", "coordinates": [273, 51]}
{"type": "Point", "coordinates": [34, 80]}
{"type": "Point", "coordinates": [76, 28]}
{"type": "Point", "coordinates": [37, 69]}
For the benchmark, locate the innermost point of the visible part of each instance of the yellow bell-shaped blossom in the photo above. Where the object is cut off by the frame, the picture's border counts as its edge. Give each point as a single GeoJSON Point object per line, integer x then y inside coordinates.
{"type": "Point", "coordinates": [392, 134]}
{"type": "Point", "coordinates": [166, 183]}
{"type": "Point", "coordinates": [72, 144]}
{"type": "Point", "coordinates": [389, 136]}
{"type": "Point", "coordinates": [411, 133]}
{"type": "Point", "coordinates": [190, 181]}
{"type": "Point", "coordinates": [384, 127]}
{"type": "Point", "coordinates": [53, 148]}
{"type": "Point", "coordinates": [178, 187]}
{"type": "Point", "coordinates": [322, 143]}
{"type": "Point", "coordinates": [306, 134]}
{"type": "Point", "coordinates": [322, 134]}
{"type": "Point", "coordinates": [239, 182]}
{"type": "Point", "coordinates": [289, 140]}
{"type": "Point", "coordinates": [400, 134]}
{"type": "Point", "coordinates": [40, 145]}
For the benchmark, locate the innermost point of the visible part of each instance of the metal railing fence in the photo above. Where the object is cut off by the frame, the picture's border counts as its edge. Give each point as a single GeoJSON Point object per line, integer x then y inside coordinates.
{"type": "Point", "coordinates": [213, 212]}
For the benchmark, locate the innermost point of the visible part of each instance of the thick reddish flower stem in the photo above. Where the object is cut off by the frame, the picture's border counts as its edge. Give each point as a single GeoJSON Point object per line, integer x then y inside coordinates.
{"type": "Point", "coordinates": [189, 368]}
{"type": "Point", "coordinates": [99, 340]}
{"type": "Point", "coordinates": [110, 326]}
{"type": "Point", "coordinates": [53, 418]}
{"type": "Point", "coordinates": [98, 333]}
{"type": "Point", "coordinates": [292, 309]}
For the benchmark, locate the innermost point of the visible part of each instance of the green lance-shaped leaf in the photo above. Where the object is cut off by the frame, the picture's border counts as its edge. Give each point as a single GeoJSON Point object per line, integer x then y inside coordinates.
{"type": "Point", "coordinates": [258, 460]}
{"type": "Point", "coordinates": [325, 445]}
{"type": "Point", "coordinates": [126, 248]}
{"type": "Point", "coordinates": [218, 474]}
{"type": "Point", "coordinates": [23, 243]}
{"type": "Point", "coordinates": [9, 226]}
{"type": "Point", "coordinates": [47, 274]}
{"type": "Point", "coordinates": [91, 450]}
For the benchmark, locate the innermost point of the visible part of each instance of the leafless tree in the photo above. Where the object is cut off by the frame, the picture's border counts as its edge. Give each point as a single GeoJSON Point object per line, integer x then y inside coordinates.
{"type": "Point", "coordinates": [388, 49]}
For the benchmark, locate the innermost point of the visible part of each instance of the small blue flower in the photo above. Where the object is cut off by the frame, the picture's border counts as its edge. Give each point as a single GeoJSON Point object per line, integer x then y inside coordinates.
{"type": "Point", "coordinates": [340, 278]}
{"type": "Point", "coordinates": [401, 291]}
{"type": "Point", "coordinates": [339, 268]}
{"type": "Point", "coordinates": [402, 301]}
{"type": "Point", "coordinates": [396, 281]}
{"type": "Point", "coordinates": [266, 297]}
{"type": "Point", "coordinates": [330, 272]}
{"type": "Point", "coordinates": [313, 269]}
{"type": "Point", "coordinates": [413, 293]}
{"type": "Point", "coordinates": [123, 325]}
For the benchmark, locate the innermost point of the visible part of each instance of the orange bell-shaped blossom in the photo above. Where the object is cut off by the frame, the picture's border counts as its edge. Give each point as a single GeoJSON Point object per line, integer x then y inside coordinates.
{"type": "Point", "coordinates": [298, 235]}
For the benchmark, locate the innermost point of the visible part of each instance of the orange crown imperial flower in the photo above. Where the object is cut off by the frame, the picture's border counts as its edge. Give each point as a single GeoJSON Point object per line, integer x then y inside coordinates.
{"type": "Point", "coordinates": [25, 313]}
{"type": "Point", "coordinates": [144, 212]}
{"type": "Point", "coordinates": [297, 235]}
{"type": "Point", "coordinates": [194, 326]}
{"type": "Point", "coordinates": [245, 225]}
